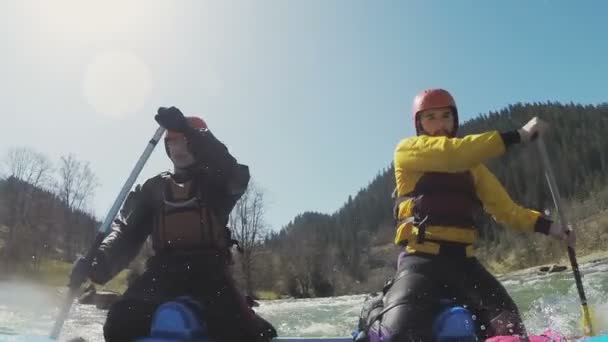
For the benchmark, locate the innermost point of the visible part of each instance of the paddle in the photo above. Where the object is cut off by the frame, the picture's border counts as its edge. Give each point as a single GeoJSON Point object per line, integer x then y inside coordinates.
{"type": "Point", "coordinates": [75, 283]}
{"type": "Point", "coordinates": [588, 329]}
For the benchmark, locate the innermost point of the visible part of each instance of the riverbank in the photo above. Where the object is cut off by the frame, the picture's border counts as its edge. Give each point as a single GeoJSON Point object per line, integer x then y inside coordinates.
{"type": "Point", "coordinates": [55, 274]}
{"type": "Point", "coordinates": [594, 257]}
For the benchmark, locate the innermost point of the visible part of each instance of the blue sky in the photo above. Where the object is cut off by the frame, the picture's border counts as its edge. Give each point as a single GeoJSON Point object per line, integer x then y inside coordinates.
{"type": "Point", "coordinates": [312, 95]}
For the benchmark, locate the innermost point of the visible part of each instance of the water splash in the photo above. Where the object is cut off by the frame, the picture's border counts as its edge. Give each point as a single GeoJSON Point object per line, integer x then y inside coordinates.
{"type": "Point", "coordinates": [545, 300]}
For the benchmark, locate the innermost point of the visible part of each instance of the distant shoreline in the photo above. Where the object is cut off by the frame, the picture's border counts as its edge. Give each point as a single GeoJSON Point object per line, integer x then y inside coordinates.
{"type": "Point", "coordinates": [595, 257]}
{"type": "Point", "coordinates": [601, 256]}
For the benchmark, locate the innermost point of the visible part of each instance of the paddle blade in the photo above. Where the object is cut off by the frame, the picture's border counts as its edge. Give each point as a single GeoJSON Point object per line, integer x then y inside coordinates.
{"type": "Point", "coordinates": [588, 322]}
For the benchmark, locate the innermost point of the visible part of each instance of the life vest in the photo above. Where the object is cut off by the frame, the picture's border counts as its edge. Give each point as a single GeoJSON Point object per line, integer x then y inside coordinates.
{"type": "Point", "coordinates": [446, 200]}
{"type": "Point", "coordinates": [185, 221]}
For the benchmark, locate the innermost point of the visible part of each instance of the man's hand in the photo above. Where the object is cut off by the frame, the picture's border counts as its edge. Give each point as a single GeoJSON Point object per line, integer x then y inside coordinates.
{"type": "Point", "coordinates": [80, 272]}
{"type": "Point", "coordinates": [532, 129]}
{"type": "Point", "coordinates": [171, 119]}
{"type": "Point", "coordinates": [566, 234]}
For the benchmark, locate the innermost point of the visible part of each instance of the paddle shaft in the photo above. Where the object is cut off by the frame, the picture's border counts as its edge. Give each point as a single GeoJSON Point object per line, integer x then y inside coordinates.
{"type": "Point", "coordinates": [74, 286]}
{"type": "Point", "coordinates": [564, 220]}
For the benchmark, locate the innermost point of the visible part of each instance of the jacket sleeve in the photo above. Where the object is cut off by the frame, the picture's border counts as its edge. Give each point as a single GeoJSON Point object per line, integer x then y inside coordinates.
{"type": "Point", "coordinates": [442, 154]}
{"type": "Point", "coordinates": [129, 231]}
{"type": "Point", "coordinates": [211, 154]}
{"type": "Point", "coordinates": [497, 202]}
{"type": "Point", "coordinates": [227, 178]}
{"type": "Point", "coordinates": [228, 193]}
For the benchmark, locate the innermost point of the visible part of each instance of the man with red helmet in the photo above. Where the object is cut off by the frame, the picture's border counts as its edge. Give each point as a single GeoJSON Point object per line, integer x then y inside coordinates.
{"type": "Point", "coordinates": [441, 182]}
{"type": "Point", "coordinates": [185, 213]}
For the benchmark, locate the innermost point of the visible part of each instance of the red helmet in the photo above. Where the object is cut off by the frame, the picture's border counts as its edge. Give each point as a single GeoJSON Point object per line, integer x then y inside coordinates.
{"type": "Point", "coordinates": [431, 99]}
{"type": "Point", "coordinates": [193, 121]}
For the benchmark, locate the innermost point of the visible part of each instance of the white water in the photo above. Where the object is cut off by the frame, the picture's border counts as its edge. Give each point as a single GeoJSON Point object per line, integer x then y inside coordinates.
{"type": "Point", "coordinates": [546, 301]}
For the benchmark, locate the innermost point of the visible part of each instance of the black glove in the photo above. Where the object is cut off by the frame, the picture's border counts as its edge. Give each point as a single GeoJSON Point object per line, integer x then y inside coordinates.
{"type": "Point", "coordinates": [172, 119]}
{"type": "Point", "coordinates": [80, 272]}
{"type": "Point", "coordinates": [96, 270]}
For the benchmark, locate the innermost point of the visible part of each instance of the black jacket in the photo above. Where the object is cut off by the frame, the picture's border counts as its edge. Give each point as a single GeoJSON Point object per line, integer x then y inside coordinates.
{"type": "Point", "coordinates": [222, 182]}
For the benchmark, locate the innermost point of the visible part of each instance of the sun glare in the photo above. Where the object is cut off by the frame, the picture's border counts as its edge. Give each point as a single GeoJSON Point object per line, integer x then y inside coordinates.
{"type": "Point", "coordinates": [115, 80]}
{"type": "Point", "coordinates": [117, 83]}
{"type": "Point", "coordinates": [81, 20]}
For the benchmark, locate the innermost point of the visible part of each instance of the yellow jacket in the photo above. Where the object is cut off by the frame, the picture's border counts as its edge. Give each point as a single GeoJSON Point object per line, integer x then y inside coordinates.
{"type": "Point", "coordinates": [417, 155]}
